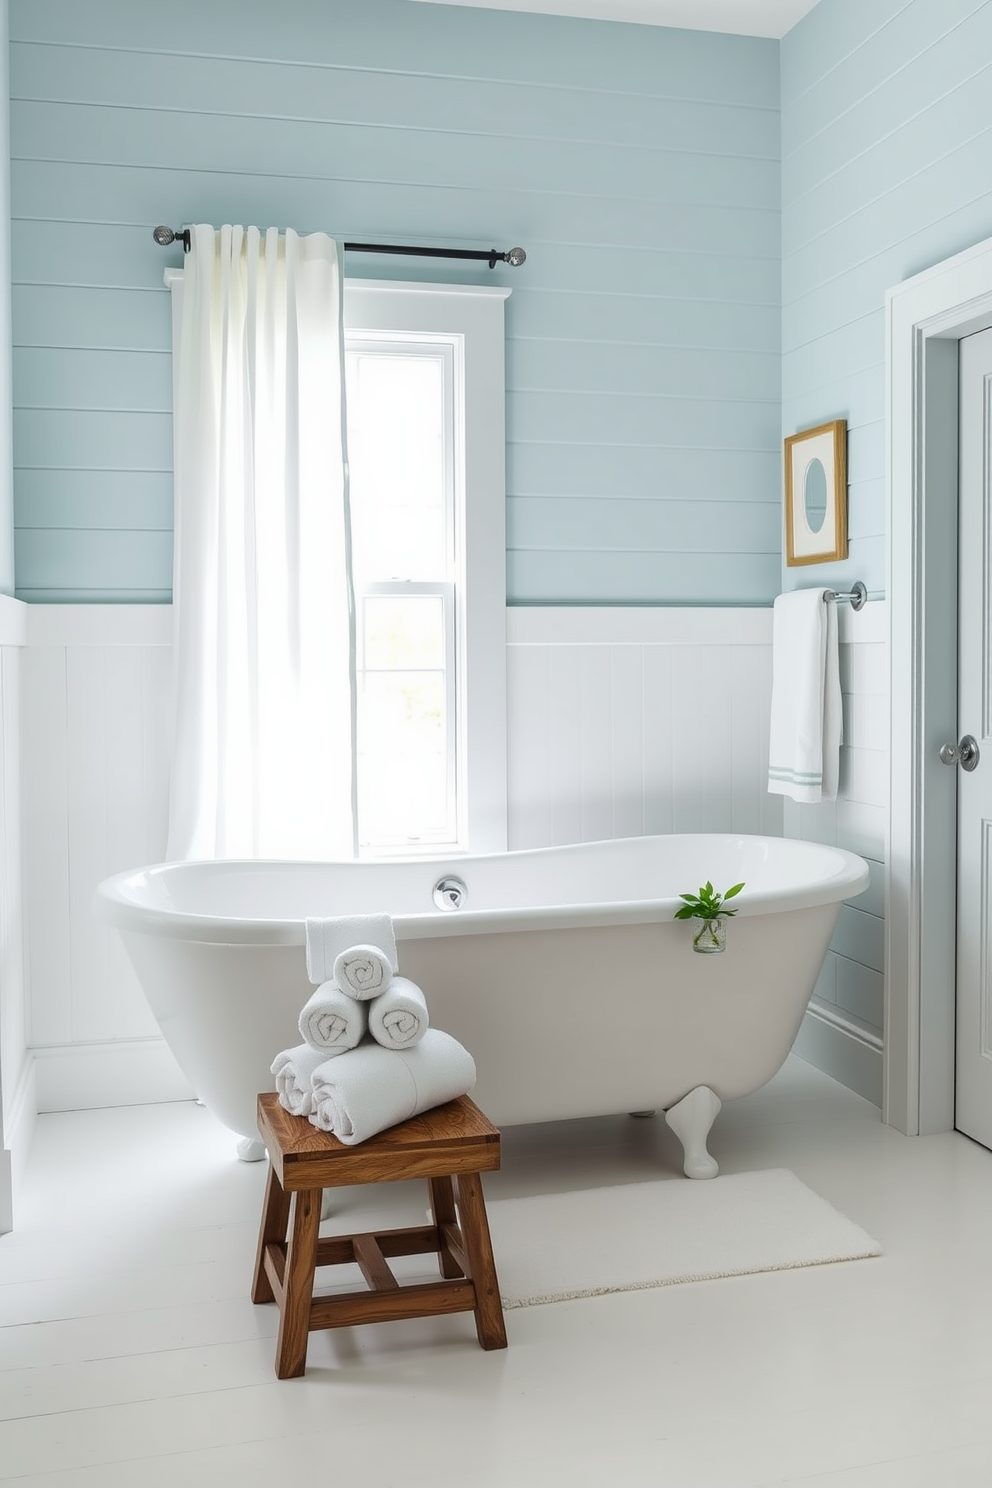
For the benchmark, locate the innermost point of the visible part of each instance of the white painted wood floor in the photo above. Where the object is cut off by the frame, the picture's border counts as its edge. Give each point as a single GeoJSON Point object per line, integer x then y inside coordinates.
{"type": "Point", "coordinates": [131, 1356]}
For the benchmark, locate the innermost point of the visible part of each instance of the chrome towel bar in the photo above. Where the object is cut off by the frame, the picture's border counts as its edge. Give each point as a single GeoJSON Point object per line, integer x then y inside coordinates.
{"type": "Point", "coordinates": [858, 596]}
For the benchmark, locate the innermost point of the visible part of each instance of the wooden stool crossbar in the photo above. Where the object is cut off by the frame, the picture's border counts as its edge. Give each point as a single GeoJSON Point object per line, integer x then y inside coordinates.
{"type": "Point", "coordinates": [450, 1146]}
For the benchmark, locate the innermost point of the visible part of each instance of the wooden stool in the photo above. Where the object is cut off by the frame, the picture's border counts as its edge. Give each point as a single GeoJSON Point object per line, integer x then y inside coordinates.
{"type": "Point", "coordinates": [453, 1140]}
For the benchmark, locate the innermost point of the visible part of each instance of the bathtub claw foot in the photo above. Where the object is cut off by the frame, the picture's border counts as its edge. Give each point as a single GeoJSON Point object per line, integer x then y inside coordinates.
{"type": "Point", "coordinates": [250, 1149]}
{"type": "Point", "coordinates": [691, 1121]}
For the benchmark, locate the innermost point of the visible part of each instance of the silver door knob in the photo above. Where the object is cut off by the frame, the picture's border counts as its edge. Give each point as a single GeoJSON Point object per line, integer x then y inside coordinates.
{"type": "Point", "coordinates": [965, 753]}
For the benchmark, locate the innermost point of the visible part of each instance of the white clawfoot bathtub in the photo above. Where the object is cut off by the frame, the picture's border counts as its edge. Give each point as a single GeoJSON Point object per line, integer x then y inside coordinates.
{"type": "Point", "coordinates": [562, 969]}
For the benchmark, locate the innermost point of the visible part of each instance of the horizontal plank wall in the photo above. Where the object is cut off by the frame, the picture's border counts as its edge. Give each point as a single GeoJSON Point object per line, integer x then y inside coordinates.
{"type": "Point", "coordinates": [886, 116]}
{"type": "Point", "coordinates": [886, 119]}
{"type": "Point", "coordinates": [638, 166]}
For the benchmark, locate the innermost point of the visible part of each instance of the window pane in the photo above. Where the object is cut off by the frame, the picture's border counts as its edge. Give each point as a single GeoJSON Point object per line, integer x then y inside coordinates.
{"type": "Point", "coordinates": [397, 465]}
{"type": "Point", "coordinates": [402, 766]}
{"type": "Point", "coordinates": [403, 631]}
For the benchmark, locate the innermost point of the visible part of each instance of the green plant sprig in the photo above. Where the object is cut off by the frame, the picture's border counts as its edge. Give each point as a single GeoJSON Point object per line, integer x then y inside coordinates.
{"type": "Point", "coordinates": [707, 904]}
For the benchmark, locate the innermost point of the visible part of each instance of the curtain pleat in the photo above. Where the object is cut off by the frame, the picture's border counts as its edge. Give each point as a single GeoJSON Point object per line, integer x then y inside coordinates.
{"type": "Point", "coordinates": [264, 753]}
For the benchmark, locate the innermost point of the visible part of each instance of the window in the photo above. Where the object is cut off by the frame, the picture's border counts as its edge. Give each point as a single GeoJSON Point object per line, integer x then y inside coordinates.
{"type": "Point", "coordinates": [400, 398]}
{"type": "Point", "coordinates": [426, 450]}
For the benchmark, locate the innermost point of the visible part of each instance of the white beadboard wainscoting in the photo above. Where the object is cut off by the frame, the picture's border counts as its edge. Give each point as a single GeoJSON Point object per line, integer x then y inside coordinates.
{"type": "Point", "coordinates": [97, 690]}
{"type": "Point", "coordinates": [842, 1032]}
{"type": "Point", "coordinates": [18, 1102]}
{"type": "Point", "coordinates": [621, 721]}
{"type": "Point", "coordinates": [630, 721]}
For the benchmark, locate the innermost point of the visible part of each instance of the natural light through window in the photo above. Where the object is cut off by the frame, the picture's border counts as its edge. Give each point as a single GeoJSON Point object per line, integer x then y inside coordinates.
{"type": "Point", "coordinates": [401, 430]}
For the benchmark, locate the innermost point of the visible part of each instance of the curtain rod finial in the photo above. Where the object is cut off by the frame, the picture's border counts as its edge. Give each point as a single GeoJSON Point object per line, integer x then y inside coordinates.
{"type": "Point", "coordinates": [515, 257]}
{"type": "Point", "coordinates": [166, 235]}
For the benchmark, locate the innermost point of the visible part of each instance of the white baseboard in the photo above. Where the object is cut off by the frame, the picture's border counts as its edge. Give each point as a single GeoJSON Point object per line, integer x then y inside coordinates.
{"type": "Point", "coordinates": [831, 1044]}
{"type": "Point", "coordinates": [18, 1133]}
{"type": "Point", "coordinates": [132, 1072]}
{"type": "Point", "coordinates": [6, 1190]}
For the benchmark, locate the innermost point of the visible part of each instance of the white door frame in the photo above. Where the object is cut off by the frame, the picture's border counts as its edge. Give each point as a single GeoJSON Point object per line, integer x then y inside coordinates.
{"type": "Point", "coordinates": [925, 318]}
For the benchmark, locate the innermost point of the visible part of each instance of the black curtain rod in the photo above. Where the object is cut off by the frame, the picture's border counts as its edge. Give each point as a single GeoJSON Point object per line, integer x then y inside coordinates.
{"type": "Point", "coordinates": [513, 256]}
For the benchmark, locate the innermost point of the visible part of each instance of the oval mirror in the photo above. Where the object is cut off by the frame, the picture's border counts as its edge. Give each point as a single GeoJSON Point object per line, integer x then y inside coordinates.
{"type": "Point", "coordinates": [815, 495]}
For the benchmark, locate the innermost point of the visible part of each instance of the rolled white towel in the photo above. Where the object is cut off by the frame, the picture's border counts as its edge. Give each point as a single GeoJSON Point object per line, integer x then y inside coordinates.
{"type": "Point", "coordinates": [331, 1021]}
{"type": "Point", "coordinates": [398, 1018]}
{"type": "Point", "coordinates": [372, 1088]}
{"type": "Point", "coordinates": [363, 971]}
{"type": "Point", "coordinates": [293, 1069]}
{"type": "Point", "coordinates": [327, 938]}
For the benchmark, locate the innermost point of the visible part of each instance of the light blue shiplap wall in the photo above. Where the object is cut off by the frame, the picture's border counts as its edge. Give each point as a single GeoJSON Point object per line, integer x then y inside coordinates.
{"type": "Point", "coordinates": [886, 144]}
{"type": "Point", "coordinates": [638, 166]}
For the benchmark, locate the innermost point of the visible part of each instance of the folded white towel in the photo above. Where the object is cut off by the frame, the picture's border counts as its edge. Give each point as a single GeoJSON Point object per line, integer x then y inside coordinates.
{"type": "Point", "coordinates": [372, 1088]}
{"type": "Point", "coordinates": [398, 1018]}
{"type": "Point", "coordinates": [363, 971]}
{"type": "Point", "coordinates": [327, 938]}
{"type": "Point", "coordinates": [332, 1021]}
{"type": "Point", "coordinates": [806, 714]}
{"type": "Point", "coordinates": [293, 1069]}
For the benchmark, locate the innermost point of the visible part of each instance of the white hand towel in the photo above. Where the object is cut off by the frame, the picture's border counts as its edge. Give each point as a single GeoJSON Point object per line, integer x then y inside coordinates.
{"type": "Point", "coordinates": [372, 1088]}
{"type": "Point", "coordinates": [398, 1019]}
{"type": "Point", "coordinates": [293, 1069]}
{"type": "Point", "coordinates": [327, 938]}
{"type": "Point", "coordinates": [806, 715]}
{"type": "Point", "coordinates": [332, 1021]}
{"type": "Point", "coordinates": [363, 971]}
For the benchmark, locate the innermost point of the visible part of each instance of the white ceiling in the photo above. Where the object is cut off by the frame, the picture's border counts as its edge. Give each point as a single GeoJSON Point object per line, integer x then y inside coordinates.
{"type": "Point", "coordinates": [740, 17]}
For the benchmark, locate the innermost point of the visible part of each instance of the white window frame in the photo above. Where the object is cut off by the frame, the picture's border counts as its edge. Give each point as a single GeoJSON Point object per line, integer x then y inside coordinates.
{"type": "Point", "coordinates": [472, 317]}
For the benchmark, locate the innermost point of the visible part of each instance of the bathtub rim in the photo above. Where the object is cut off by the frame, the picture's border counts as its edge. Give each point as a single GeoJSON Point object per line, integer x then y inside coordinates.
{"type": "Point", "coordinates": [118, 899]}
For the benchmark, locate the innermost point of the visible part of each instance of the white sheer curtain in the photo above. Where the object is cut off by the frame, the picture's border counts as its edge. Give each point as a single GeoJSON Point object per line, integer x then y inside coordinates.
{"type": "Point", "coordinates": [264, 755]}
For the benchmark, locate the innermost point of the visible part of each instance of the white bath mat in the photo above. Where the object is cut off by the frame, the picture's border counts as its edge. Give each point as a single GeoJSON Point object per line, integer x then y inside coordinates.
{"type": "Point", "coordinates": [581, 1244]}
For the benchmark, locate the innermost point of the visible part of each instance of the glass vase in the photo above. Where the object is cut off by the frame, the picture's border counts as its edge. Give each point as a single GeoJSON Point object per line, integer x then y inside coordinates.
{"type": "Point", "coordinates": [709, 937]}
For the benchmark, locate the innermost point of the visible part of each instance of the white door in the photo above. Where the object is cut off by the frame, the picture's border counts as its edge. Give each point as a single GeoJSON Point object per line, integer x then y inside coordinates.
{"type": "Point", "coordinates": [973, 1072]}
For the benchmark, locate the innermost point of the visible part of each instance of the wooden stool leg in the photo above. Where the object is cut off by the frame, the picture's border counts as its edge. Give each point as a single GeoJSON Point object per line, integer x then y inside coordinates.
{"type": "Point", "coordinates": [489, 1324]}
{"type": "Point", "coordinates": [272, 1231]}
{"type": "Point", "coordinates": [443, 1211]}
{"type": "Point", "coordinates": [301, 1260]}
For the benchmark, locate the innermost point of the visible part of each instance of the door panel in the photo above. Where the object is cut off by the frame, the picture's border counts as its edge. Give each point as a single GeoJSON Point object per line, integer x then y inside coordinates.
{"type": "Point", "coordinates": [973, 1074]}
